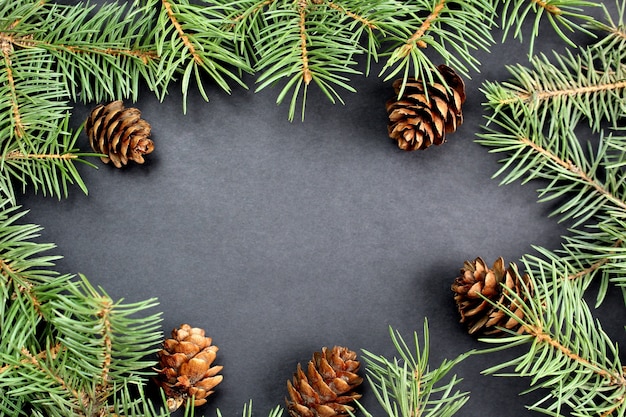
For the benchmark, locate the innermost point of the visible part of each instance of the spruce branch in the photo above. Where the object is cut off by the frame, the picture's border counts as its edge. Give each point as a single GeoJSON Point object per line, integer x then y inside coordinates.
{"type": "Point", "coordinates": [454, 29]}
{"type": "Point", "coordinates": [569, 169]}
{"type": "Point", "coordinates": [102, 54]}
{"type": "Point", "coordinates": [406, 386]}
{"type": "Point", "coordinates": [195, 39]}
{"type": "Point", "coordinates": [65, 347]}
{"type": "Point", "coordinates": [569, 354]}
{"type": "Point", "coordinates": [565, 17]}
{"type": "Point", "coordinates": [590, 84]}
{"type": "Point", "coordinates": [534, 124]}
{"type": "Point", "coordinates": [306, 41]}
{"type": "Point", "coordinates": [44, 159]}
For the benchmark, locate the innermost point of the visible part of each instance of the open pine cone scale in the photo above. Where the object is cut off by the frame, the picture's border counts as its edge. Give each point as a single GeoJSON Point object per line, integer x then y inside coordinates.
{"type": "Point", "coordinates": [424, 113]}
{"type": "Point", "coordinates": [327, 387]}
{"type": "Point", "coordinates": [481, 299]}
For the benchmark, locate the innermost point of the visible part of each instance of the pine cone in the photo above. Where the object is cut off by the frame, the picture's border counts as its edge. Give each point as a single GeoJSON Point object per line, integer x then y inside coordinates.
{"type": "Point", "coordinates": [186, 369]}
{"type": "Point", "coordinates": [328, 385]}
{"type": "Point", "coordinates": [480, 316]}
{"type": "Point", "coordinates": [120, 133]}
{"type": "Point", "coordinates": [423, 115]}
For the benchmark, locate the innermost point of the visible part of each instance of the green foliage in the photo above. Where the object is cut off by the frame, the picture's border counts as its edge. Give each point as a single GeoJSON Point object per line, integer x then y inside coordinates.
{"type": "Point", "coordinates": [407, 387]}
{"type": "Point", "coordinates": [296, 43]}
{"type": "Point", "coordinates": [569, 354]}
{"type": "Point", "coordinates": [51, 54]}
{"type": "Point", "coordinates": [195, 39]}
{"type": "Point", "coordinates": [101, 54]}
{"type": "Point", "coordinates": [66, 347]}
{"type": "Point", "coordinates": [565, 17]}
{"type": "Point", "coordinates": [536, 124]}
{"type": "Point", "coordinates": [455, 29]}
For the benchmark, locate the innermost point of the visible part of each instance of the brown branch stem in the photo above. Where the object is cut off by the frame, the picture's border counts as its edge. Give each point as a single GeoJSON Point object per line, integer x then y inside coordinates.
{"type": "Point", "coordinates": [577, 171]}
{"type": "Point", "coordinates": [41, 355]}
{"type": "Point", "coordinates": [181, 33]}
{"type": "Point", "coordinates": [304, 55]}
{"type": "Point", "coordinates": [105, 314]}
{"type": "Point", "coordinates": [594, 267]}
{"type": "Point", "coordinates": [550, 8]}
{"type": "Point", "coordinates": [7, 49]}
{"type": "Point", "coordinates": [35, 360]}
{"type": "Point", "coordinates": [26, 288]}
{"type": "Point", "coordinates": [254, 10]}
{"type": "Point", "coordinates": [542, 337]}
{"type": "Point", "coordinates": [29, 42]}
{"type": "Point", "coordinates": [20, 155]}
{"type": "Point", "coordinates": [352, 15]}
{"type": "Point", "coordinates": [416, 37]}
{"type": "Point", "coordinates": [546, 94]}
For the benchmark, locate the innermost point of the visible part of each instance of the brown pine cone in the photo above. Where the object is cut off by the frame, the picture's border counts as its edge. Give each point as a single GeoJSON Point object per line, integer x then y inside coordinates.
{"type": "Point", "coordinates": [424, 113]}
{"type": "Point", "coordinates": [119, 133]}
{"type": "Point", "coordinates": [327, 388]}
{"type": "Point", "coordinates": [480, 316]}
{"type": "Point", "coordinates": [185, 367]}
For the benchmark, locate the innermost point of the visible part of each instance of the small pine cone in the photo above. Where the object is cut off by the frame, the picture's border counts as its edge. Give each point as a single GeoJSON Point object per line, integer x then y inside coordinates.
{"type": "Point", "coordinates": [186, 370]}
{"type": "Point", "coordinates": [480, 316]}
{"type": "Point", "coordinates": [424, 113]}
{"type": "Point", "coordinates": [328, 385]}
{"type": "Point", "coordinates": [119, 133]}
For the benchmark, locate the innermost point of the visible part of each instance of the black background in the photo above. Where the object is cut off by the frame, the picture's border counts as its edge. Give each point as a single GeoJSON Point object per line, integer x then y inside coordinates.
{"type": "Point", "coordinates": [281, 237]}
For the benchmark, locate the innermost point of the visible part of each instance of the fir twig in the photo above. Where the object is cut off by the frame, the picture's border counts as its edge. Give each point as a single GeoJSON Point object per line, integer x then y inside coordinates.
{"type": "Point", "coordinates": [565, 17]}
{"type": "Point", "coordinates": [453, 29]}
{"type": "Point", "coordinates": [406, 386]}
{"type": "Point", "coordinates": [65, 346]}
{"type": "Point", "coordinates": [194, 39]}
{"type": "Point", "coordinates": [569, 354]}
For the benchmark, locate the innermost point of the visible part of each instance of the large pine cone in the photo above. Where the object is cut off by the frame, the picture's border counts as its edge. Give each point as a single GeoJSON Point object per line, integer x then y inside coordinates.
{"type": "Point", "coordinates": [186, 370]}
{"type": "Point", "coordinates": [328, 385]}
{"type": "Point", "coordinates": [424, 113]}
{"type": "Point", "coordinates": [480, 316]}
{"type": "Point", "coordinates": [119, 133]}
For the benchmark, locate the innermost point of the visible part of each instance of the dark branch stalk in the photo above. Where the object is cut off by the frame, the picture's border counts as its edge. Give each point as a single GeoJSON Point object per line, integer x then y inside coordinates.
{"type": "Point", "coordinates": [550, 8]}
{"type": "Point", "coordinates": [105, 314]}
{"type": "Point", "coordinates": [542, 337]}
{"type": "Point", "coordinates": [543, 95]}
{"type": "Point", "coordinates": [181, 33]}
{"type": "Point", "coordinates": [594, 267]}
{"type": "Point", "coordinates": [19, 155]}
{"type": "Point", "coordinates": [352, 15]}
{"type": "Point", "coordinates": [416, 38]}
{"type": "Point", "coordinates": [306, 72]}
{"type": "Point", "coordinates": [7, 48]}
{"type": "Point", "coordinates": [577, 171]}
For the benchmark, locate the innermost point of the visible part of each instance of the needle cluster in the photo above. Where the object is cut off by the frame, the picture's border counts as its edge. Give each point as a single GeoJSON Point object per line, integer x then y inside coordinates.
{"type": "Point", "coordinates": [66, 348]}
{"type": "Point", "coordinates": [560, 121]}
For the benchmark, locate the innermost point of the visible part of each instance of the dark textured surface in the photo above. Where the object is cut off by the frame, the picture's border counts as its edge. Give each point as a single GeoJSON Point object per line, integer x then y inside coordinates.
{"type": "Point", "coordinates": [279, 238]}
